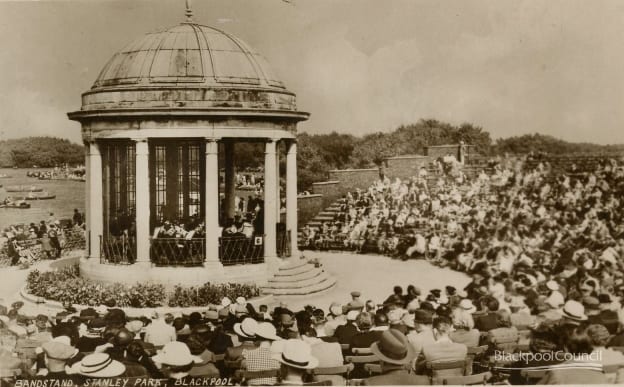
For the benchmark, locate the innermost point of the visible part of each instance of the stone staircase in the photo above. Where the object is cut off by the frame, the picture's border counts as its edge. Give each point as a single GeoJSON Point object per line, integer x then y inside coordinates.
{"type": "Point", "coordinates": [299, 278]}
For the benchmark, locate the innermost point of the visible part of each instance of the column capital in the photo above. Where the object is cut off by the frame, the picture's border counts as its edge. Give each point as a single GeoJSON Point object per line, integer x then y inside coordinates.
{"type": "Point", "coordinates": [212, 139]}
{"type": "Point", "coordinates": [141, 147]}
{"type": "Point", "coordinates": [292, 147]}
{"type": "Point", "coordinates": [94, 149]}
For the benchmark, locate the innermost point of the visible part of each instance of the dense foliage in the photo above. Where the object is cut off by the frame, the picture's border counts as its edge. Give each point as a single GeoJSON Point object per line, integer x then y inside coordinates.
{"type": "Point", "coordinates": [210, 294]}
{"type": "Point", "coordinates": [40, 151]}
{"type": "Point", "coordinates": [66, 286]}
{"type": "Point", "coordinates": [539, 143]}
{"type": "Point", "coordinates": [319, 153]}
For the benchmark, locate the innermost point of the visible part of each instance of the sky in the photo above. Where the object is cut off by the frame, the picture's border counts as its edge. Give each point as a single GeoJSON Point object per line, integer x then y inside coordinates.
{"type": "Point", "coordinates": [358, 66]}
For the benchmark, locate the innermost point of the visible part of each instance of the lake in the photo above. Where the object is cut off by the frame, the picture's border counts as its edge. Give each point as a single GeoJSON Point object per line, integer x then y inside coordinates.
{"type": "Point", "coordinates": [70, 194]}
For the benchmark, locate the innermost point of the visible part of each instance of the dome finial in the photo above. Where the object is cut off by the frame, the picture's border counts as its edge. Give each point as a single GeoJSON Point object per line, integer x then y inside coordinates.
{"type": "Point", "coordinates": [189, 11]}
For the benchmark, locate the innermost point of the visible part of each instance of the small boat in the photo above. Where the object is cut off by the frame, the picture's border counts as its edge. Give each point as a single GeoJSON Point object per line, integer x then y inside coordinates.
{"type": "Point", "coordinates": [43, 196]}
{"type": "Point", "coordinates": [17, 204]}
{"type": "Point", "coordinates": [4, 176]}
{"type": "Point", "coordinates": [23, 188]}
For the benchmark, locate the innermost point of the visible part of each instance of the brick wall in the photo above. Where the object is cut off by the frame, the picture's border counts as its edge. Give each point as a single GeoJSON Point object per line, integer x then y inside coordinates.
{"type": "Point", "coordinates": [442, 150]}
{"type": "Point", "coordinates": [307, 208]}
{"type": "Point", "coordinates": [404, 166]}
{"type": "Point", "coordinates": [350, 179]}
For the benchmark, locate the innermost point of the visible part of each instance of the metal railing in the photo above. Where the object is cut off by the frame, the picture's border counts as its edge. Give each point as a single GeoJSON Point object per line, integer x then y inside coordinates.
{"type": "Point", "coordinates": [240, 250]}
{"type": "Point", "coordinates": [178, 251]}
{"type": "Point", "coordinates": [283, 243]}
{"type": "Point", "coordinates": [117, 250]}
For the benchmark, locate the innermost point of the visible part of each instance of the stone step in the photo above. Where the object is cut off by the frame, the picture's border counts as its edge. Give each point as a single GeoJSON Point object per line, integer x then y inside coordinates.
{"type": "Point", "coordinates": [324, 218]}
{"type": "Point", "coordinates": [319, 277]}
{"type": "Point", "coordinates": [314, 223]}
{"type": "Point", "coordinates": [295, 270]}
{"type": "Point", "coordinates": [326, 284]}
{"type": "Point", "coordinates": [327, 213]}
{"type": "Point", "coordinates": [296, 277]}
{"type": "Point", "coordinates": [293, 264]}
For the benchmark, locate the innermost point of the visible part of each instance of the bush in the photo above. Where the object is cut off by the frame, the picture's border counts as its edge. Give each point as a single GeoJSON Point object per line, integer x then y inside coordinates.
{"type": "Point", "coordinates": [210, 294]}
{"type": "Point", "coordinates": [66, 286]}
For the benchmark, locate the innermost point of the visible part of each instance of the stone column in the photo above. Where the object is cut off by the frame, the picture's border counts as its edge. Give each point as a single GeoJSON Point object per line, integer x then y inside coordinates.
{"type": "Point", "coordinates": [96, 208]}
{"type": "Point", "coordinates": [230, 181]}
{"type": "Point", "coordinates": [269, 201]}
{"type": "Point", "coordinates": [211, 205]}
{"type": "Point", "coordinates": [277, 185]}
{"type": "Point", "coordinates": [291, 197]}
{"type": "Point", "coordinates": [87, 207]}
{"type": "Point", "coordinates": [142, 201]}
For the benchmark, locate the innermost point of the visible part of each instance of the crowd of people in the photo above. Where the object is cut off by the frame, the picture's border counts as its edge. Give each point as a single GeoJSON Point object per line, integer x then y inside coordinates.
{"type": "Point", "coordinates": [400, 337]}
{"type": "Point", "coordinates": [26, 244]}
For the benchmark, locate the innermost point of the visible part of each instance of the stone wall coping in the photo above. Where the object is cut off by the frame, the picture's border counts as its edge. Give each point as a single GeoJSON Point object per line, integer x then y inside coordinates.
{"type": "Point", "coordinates": [309, 196]}
{"type": "Point", "coordinates": [353, 170]}
{"type": "Point", "coordinates": [329, 182]}
{"type": "Point", "coordinates": [407, 157]}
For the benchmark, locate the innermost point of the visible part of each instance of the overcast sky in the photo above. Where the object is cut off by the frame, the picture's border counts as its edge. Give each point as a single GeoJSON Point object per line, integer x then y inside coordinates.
{"type": "Point", "coordinates": [358, 66]}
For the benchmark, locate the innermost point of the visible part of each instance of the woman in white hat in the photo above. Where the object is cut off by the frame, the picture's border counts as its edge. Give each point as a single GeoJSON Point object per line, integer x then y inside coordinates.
{"type": "Point", "coordinates": [97, 366]}
{"type": "Point", "coordinates": [176, 360]}
{"type": "Point", "coordinates": [260, 358]}
{"type": "Point", "coordinates": [296, 358]}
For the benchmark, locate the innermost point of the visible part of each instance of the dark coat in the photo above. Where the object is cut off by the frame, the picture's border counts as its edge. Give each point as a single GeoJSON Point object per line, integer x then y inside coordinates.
{"type": "Point", "coordinates": [397, 378]}
{"type": "Point", "coordinates": [344, 333]}
{"type": "Point", "coordinates": [364, 339]}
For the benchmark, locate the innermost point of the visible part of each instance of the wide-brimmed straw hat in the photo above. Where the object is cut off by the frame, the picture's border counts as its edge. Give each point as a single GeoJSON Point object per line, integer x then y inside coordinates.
{"type": "Point", "coordinates": [297, 354]}
{"type": "Point", "coordinates": [467, 305]}
{"type": "Point", "coordinates": [393, 347]}
{"type": "Point", "coordinates": [99, 365]}
{"type": "Point", "coordinates": [176, 354]}
{"type": "Point", "coordinates": [574, 310]}
{"type": "Point", "coordinates": [266, 330]}
{"type": "Point", "coordinates": [247, 328]}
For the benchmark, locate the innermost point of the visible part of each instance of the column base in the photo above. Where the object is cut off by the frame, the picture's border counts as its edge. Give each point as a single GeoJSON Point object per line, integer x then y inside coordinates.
{"type": "Point", "coordinates": [214, 268]}
{"type": "Point", "coordinates": [273, 263]}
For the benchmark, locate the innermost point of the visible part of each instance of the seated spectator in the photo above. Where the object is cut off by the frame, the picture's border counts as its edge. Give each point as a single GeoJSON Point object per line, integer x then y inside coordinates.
{"type": "Point", "coordinates": [57, 355]}
{"type": "Point", "coordinates": [423, 331]}
{"type": "Point", "coordinates": [365, 337]}
{"type": "Point", "coordinates": [160, 331]}
{"type": "Point", "coordinates": [344, 333]}
{"type": "Point", "coordinates": [296, 358]}
{"type": "Point", "coordinates": [489, 317]}
{"type": "Point", "coordinates": [599, 336]}
{"type": "Point", "coordinates": [578, 344]}
{"type": "Point", "coordinates": [443, 349]}
{"type": "Point", "coordinates": [246, 333]}
{"type": "Point", "coordinates": [206, 368]}
{"type": "Point", "coordinates": [176, 361]}
{"type": "Point", "coordinates": [260, 358]}
{"type": "Point", "coordinates": [464, 332]}
{"type": "Point", "coordinates": [395, 353]}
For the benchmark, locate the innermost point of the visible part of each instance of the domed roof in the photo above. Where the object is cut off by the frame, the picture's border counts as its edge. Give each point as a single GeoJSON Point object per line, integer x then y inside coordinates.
{"type": "Point", "coordinates": [187, 53]}
{"type": "Point", "coordinates": [189, 69]}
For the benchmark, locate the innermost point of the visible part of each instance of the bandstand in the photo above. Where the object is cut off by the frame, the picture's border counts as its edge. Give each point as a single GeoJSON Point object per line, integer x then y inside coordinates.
{"type": "Point", "coordinates": [161, 126]}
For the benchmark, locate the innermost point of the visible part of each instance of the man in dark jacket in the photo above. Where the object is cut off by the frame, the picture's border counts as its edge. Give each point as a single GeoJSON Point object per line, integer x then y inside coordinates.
{"type": "Point", "coordinates": [365, 337]}
{"type": "Point", "coordinates": [345, 332]}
